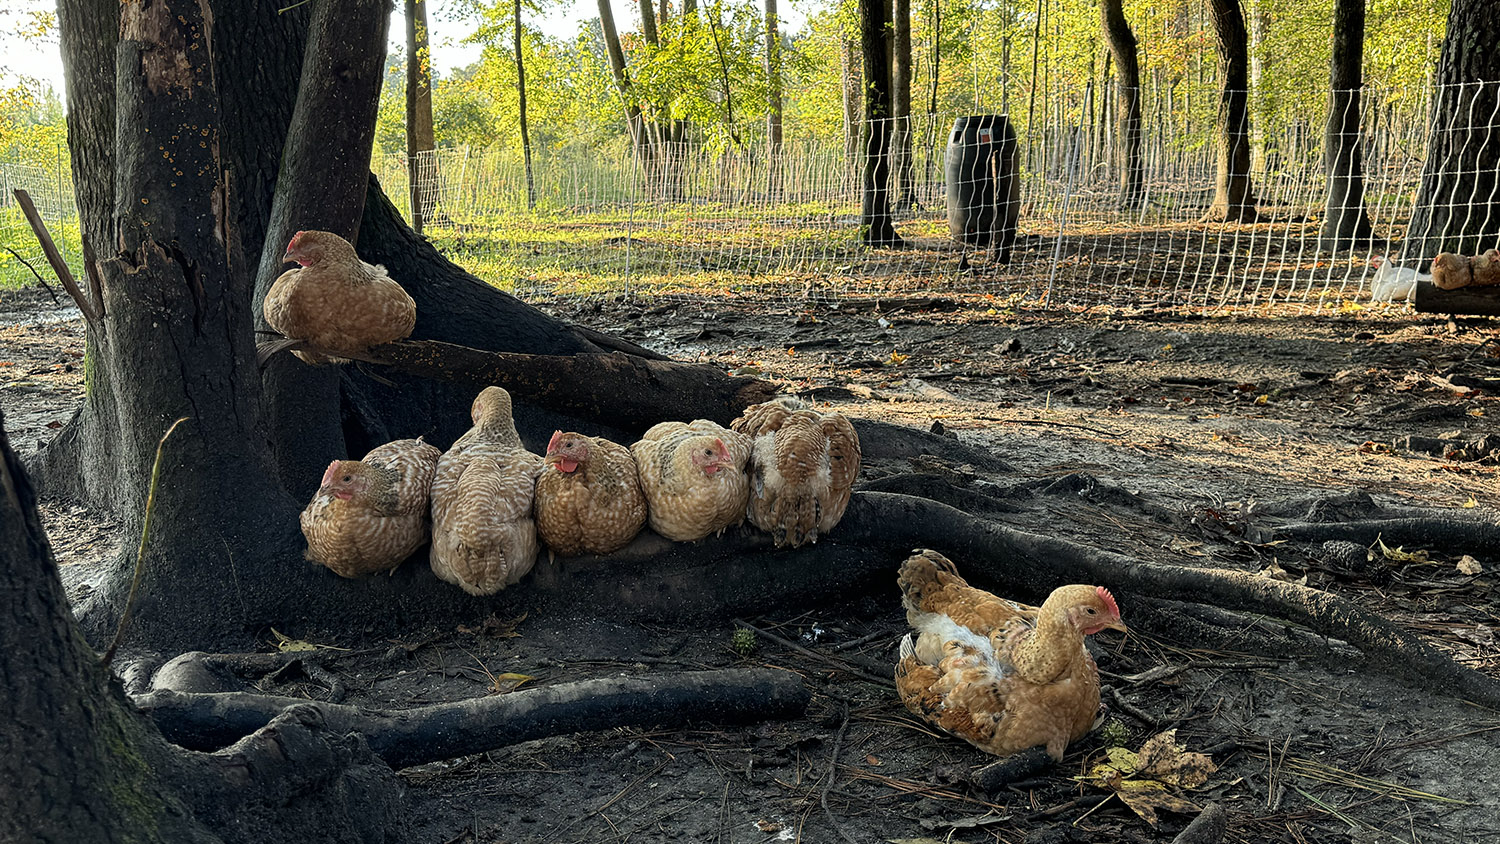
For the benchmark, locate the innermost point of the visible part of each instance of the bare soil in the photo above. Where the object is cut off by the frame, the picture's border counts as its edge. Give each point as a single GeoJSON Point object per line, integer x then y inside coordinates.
{"type": "Point", "coordinates": [1220, 421]}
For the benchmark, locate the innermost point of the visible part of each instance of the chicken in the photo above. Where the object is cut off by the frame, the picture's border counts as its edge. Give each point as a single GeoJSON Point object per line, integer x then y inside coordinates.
{"type": "Point", "coordinates": [369, 515]}
{"type": "Point", "coordinates": [693, 475]}
{"type": "Point", "coordinates": [802, 469]}
{"type": "Point", "coordinates": [483, 534]}
{"type": "Point", "coordinates": [335, 301]}
{"type": "Point", "coordinates": [588, 499]}
{"type": "Point", "coordinates": [1486, 268]}
{"type": "Point", "coordinates": [1451, 271]}
{"type": "Point", "coordinates": [1000, 675]}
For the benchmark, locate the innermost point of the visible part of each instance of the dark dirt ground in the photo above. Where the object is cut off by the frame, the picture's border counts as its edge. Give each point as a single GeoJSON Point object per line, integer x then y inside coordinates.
{"type": "Point", "coordinates": [1216, 422]}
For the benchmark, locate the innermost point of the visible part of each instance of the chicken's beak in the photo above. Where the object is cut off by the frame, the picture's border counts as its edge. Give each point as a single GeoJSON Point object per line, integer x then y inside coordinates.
{"type": "Point", "coordinates": [1116, 624]}
{"type": "Point", "coordinates": [288, 258]}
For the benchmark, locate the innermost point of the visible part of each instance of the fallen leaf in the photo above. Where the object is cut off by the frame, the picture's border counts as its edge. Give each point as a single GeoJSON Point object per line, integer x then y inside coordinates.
{"type": "Point", "coordinates": [768, 826]}
{"type": "Point", "coordinates": [872, 759]}
{"type": "Point", "coordinates": [1263, 398]}
{"type": "Point", "coordinates": [1470, 566]}
{"type": "Point", "coordinates": [1275, 572]}
{"type": "Point", "coordinates": [1397, 555]}
{"type": "Point", "coordinates": [1149, 780]}
{"type": "Point", "coordinates": [896, 359]}
{"type": "Point", "coordinates": [1471, 503]}
{"type": "Point", "coordinates": [1146, 801]}
{"type": "Point", "coordinates": [1163, 759]}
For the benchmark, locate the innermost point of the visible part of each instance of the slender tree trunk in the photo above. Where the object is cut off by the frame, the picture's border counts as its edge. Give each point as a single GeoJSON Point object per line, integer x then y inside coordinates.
{"type": "Point", "coordinates": [421, 164]}
{"type": "Point", "coordinates": [1345, 223]}
{"type": "Point", "coordinates": [1032, 133]}
{"type": "Point", "coordinates": [1458, 204]}
{"type": "Point", "coordinates": [875, 196]}
{"type": "Point", "coordinates": [901, 102]}
{"type": "Point", "coordinates": [853, 83]}
{"type": "Point", "coordinates": [934, 64]}
{"type": "Point", "coordinates": [1259, 154]}
{"type": "Point", "coordinates": [773, 102]}
{"type": "Point", "coordinates": [1122, 46]}
{"type": "Point", "coordinates": [521, 111]}
{"type": "Point", "coordinates": [1234, 194]}
{"type": "Point", "coordinates": [633, 120]}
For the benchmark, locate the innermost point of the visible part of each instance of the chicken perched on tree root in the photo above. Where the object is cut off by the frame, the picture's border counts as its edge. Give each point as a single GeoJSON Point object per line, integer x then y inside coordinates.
{"type": "Point", "coordinates": [588, 499]}
{"type": "Point", "coordinates": [369, 515]}
{"type": "Point", "coordinates": [1000, 675]}
{"type": "Point", "coordinates": [483, 534]}
{"type": "Point", "coordinates": [336, 302]}
{"type": "Point", "coordinates": [802, 469]}
{"type": "Point", "coordinates": [693, 475]}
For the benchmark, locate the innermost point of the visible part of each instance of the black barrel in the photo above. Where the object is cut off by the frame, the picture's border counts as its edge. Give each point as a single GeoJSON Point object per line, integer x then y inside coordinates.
{"type": "Point", "coordinates": [980, 170]}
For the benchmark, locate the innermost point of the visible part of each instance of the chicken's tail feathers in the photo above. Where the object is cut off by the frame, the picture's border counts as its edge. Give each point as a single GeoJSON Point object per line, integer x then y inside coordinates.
{"type": "Point", "coordinates": [923, 574]}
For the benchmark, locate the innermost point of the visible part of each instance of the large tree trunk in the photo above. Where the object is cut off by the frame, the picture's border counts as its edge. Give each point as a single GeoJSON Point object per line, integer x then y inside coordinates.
{"type": "Point", "coordinates": [852, 81]}
{"type": "Point", "coordinates": [1458, 205]}
{"type": "Point", "coordinates": [1122, 46]}
{"type": "Point", "coordinates": [176, 255]}
{"type": "Point", "coordinates": [421, 164]}
{"type": "Point", "coordinates": [901, 102]}
{"type": "Point", "coordinates": [1345, 223]}
{"type": "Point", "coordinates": [875, 195]}
{"type": "Point", "coordinates": [1234, 195]}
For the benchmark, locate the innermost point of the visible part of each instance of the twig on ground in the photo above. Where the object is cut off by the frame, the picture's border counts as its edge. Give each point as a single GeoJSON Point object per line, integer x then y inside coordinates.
{"type": "Point", "coordinates": [39, 280]}
{"type": "Point", "coordinates": [140, 552]}
{"type": "Point", "coordinates": [833, 768]}
{"type": "Point", "coordinates": [836, 662]}
{"type": "Point", "coordinates": [1132, 710]}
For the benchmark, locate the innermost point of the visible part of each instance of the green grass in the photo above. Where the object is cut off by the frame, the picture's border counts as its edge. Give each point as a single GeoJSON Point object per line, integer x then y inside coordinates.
{"type": "Point", "coordinates": [15, 234]}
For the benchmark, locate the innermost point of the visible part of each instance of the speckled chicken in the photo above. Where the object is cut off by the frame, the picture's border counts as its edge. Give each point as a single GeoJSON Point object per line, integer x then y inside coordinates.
{"type": "Point", "coordinates": [802, 469]}
{"type": "Point", "coordinates": [588, 499]}
{"type": "Point", "coordinates": [483, 533]}
{"type": "Point", "coordinates": [1000, 675]}
{"type": "Point", "coordinates": [693, 475]}
{"type": "Point", "coordinates": [335, 301]}
{"type": "Point", "coordinates": [369, 515]}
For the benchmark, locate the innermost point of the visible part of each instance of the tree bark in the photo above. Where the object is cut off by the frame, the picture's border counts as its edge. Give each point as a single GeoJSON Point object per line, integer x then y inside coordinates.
{"type": "Point", "coordinates": [1458, 203]}
{"type": "Point", "coordinates": [325, 167]}
{"type": "Point", "coordinates": [901, 102]}
{"type": "Point", "coordinates": [1346, 225]}
{"type": "Point", "coordinates": [421, 164]}
{"type": "Point", "coordinates": [1234, 194]}
{"type": "Point", "coordinates": [875, 196]}
{"type": "Point", "coordinates": [1122, 45]}
{"type": "Point", "coordinates": [521, 111]}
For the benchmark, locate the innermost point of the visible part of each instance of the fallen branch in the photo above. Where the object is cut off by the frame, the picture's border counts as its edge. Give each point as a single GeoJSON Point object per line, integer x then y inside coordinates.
{"type": "Point", "coordinates": [447, 730]}
{"type": "Point", "coordinates": [1436, 532]}
{"type": "Point", "coordinates": [54, 257]}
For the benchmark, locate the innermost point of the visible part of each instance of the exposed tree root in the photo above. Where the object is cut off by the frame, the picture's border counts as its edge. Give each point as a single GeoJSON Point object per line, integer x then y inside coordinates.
{"type": "Point", "coordinates": [988, 551]}
{"type": "Point", "coordinates": [1436, 531]}
{"type": "Point", "coordinates": [447, 730]}
{"type": "Point", "coordinates": [1024, 765]}
{"type": "Point", "coordinates": [1208, 828]}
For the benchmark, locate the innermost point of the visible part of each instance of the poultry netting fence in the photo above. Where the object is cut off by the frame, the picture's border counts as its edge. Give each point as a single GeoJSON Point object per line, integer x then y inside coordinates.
{"type": "Point", "coordinates": [739, 217]}
{"type": "Point", "coordinates": [733, 215]}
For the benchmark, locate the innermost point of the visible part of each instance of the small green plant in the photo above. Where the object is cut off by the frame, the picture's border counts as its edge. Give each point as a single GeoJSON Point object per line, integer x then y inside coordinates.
{"type": "Point", "coordinates": [1113, 733]}
{"type": "Point", "coordinates": [743, 641]}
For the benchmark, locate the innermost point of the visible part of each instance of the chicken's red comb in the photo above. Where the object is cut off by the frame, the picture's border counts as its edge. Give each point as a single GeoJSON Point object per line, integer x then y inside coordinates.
{"type": "Point", "coordinates": [333, 469]}
{"type": "Point", "coordinates": [296, 237]}
{"type": "Point", "coordinates": [1109, 601]}
{"type": "Point", "coordinates": [552, 443]}
{"type": "Point", "coordinates": [723, 449]}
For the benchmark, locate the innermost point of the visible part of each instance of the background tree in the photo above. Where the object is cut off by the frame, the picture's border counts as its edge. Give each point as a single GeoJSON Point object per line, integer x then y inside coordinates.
{"type": "Point", "coordinates": [773, 100]}
{"type": "Point", "coordinates": [1458, 205]}
{"type": "Point", "coordinates": [1122, 46]}
{"type": "Point", "coordinates": [875, 196]}
{"type": "Point", "coordinates": [901, 122]}
{"type": "Point", "coordinates": [421, 164]}
{"type": "Point", "coordinates": [1346, 225]}
{"type": "Point", "coordinates": [1234, 194]}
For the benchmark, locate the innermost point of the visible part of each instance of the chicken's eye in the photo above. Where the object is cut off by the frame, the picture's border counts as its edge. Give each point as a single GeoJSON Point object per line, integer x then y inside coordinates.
{"type": "Point", "coordinates": [708, 452]}
{"type": "Point", "coordinates": [568, 444]}
{"type": "Point", "coordinates": [1090, 610]}
{"type": "Point", "coordinates": [348, 478]}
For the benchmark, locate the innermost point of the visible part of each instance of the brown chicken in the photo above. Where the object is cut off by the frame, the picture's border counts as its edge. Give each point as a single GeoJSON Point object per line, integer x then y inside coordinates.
{"type": "Point", "coordinates": [1000, 675]}
{"type": "Point", "coordinates": [1451, 271]}
{"type": "Point", "coordinates": [693, 475]}
{"type": "Point", "coordinates": [483, 534]}
{"type": "Point", "coordinates": [335, 301]}
{"type": "Point", "coordinates": [588, 499]}
{"type": "Point", "coordinates": [370, 515]}
{"type": "Point", "coordinates": [1486, 268]}
{"type": "Point", "coordinates": [802, 469]}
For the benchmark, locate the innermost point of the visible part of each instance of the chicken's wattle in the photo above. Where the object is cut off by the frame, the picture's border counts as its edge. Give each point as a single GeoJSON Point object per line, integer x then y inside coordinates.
{"type": "Point", "coordinates": [566, 465]}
